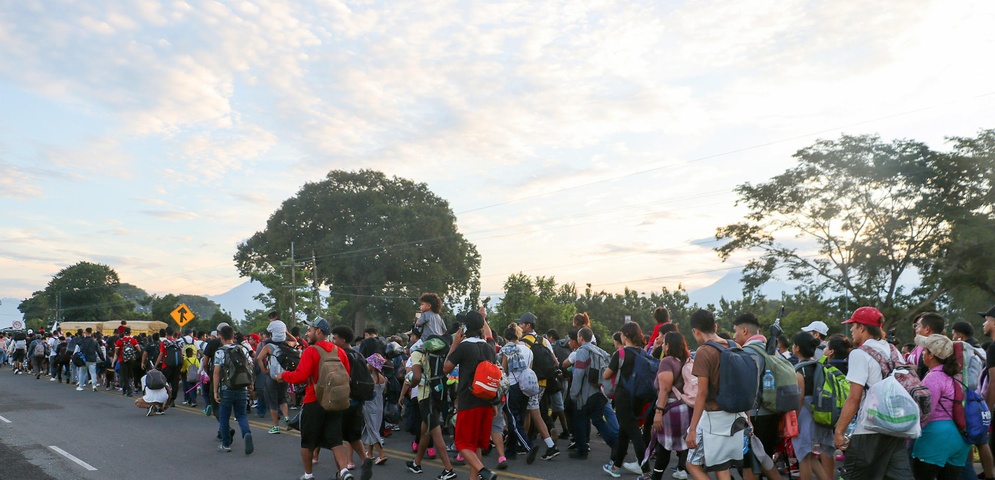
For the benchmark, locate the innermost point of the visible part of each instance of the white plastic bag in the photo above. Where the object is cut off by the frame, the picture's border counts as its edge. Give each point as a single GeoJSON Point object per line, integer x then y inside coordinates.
{"type": "Point", "coordinates": [890, 410]}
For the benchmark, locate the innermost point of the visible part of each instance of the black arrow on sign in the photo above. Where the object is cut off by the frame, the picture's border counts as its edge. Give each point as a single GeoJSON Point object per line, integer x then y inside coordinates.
{"type": "Point", "coordinates": [183, 314]}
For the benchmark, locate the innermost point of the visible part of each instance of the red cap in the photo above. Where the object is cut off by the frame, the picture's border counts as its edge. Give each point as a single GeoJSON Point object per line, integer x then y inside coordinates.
{"type": "Point", "coordinates": [254, 336]}
{"type": "Point", "coordinates": [867, 316]}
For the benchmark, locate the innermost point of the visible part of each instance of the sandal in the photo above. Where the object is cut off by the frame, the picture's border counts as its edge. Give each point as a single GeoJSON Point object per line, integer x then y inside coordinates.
{"type": "Point", "coordinates": [380, 461]}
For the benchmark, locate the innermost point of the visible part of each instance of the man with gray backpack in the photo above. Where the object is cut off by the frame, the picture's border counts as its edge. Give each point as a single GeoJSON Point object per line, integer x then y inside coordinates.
{"type": "Point", "coordinates": [591, 405]}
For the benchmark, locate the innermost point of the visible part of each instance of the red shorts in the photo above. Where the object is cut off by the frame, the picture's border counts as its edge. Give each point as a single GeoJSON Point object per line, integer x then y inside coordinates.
{"type": "Point", "coordinates": [473, 428]}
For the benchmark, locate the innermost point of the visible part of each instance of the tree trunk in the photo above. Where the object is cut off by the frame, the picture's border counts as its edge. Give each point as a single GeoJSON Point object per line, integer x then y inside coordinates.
{"type": "Point", "coordinates": [359, 322]}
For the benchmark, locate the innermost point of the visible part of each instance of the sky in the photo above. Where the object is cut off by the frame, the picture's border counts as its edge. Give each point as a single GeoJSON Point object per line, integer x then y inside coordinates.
{"type": "Point", "coordinates": [595, 141]}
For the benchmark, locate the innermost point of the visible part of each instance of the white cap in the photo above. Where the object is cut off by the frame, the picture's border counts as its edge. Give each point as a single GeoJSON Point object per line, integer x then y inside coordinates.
{"type": "Point", "coordinates": [817, 326]}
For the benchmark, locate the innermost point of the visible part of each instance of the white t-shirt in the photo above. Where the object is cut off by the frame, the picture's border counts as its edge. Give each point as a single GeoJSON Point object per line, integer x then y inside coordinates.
{"type": "Point", "coordinates": [864, 370]}
{"type": "Point", "coordinates": [152, 396]}
{"type": "Point", "coordinates": [527, 356]}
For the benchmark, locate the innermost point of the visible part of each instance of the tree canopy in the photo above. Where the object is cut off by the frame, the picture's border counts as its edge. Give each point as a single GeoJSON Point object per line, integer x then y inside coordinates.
{"type": "Point", "coordinates": [79, 293]}
{"type": "Point", "coordinates": [860, 220]}
{"type": "Point", "coordinates": [377, 244]}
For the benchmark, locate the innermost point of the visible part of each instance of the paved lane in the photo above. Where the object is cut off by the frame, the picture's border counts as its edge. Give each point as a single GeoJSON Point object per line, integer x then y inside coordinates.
{"type": "Point", "coordinates": [51, 431]}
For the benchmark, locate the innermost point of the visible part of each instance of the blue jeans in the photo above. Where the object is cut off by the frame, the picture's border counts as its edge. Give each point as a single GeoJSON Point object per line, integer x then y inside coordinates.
{"type": "Point", "coordinates": [599, 412]}
{"type": "Point", "coordinates": [91, 368]}
{"type": "Point", "coordinates": [233, 399]}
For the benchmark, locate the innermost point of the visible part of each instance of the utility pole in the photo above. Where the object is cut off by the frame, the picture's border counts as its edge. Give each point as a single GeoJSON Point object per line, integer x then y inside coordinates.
{"type": "Point", "coordinates": [293, 280]}
{"type": "Point", "coordinates": [314, 282]}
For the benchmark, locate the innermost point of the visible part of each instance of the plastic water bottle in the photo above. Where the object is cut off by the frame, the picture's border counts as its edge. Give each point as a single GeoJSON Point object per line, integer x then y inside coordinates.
{"type": "Point", "coordinates": [849, 431]}
{"type": "Point", "coordinates": [768, 380]}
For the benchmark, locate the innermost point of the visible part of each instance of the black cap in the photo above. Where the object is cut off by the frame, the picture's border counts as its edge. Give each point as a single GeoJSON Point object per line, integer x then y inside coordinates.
{"type": "Point", "coordinates": [989, 313]}
{"type": "Point", "coordinates": [474, 321]}
{"type": "Point", "coordinates": [527, 317]}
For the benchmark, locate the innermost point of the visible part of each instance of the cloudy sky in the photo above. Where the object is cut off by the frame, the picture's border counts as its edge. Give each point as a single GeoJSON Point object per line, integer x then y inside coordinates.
{"type": "Point", "coordinates": [596, 141]}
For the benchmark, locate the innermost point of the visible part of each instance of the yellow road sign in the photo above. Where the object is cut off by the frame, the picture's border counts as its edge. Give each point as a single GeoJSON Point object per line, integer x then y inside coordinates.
{"type": "Point", "coordinates": [182, 315]}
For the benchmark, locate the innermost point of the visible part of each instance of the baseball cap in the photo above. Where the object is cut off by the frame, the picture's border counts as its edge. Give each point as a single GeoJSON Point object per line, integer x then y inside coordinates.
{"type": "Point", "coordinates": [989, 313]}
{"type": "Point", "coordinates": [817, 326]}
{"type": "Point", "coordinates": [867, 316]}
{"type": "Point", "coordinates": [939, 345]}
{"type": "Point", "coordinates": [527, 317]}
{"type": "Point", "coordinates": [320, 324]}
{"type": "Point", "coordinates": [476, 322]}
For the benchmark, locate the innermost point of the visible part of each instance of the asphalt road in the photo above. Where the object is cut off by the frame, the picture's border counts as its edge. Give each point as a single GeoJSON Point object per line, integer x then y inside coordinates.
{"type": "Point", "coordinates": [50, 431]}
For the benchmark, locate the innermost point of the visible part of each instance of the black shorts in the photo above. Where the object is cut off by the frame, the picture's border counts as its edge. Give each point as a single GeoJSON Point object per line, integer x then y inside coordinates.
{"type": "Point", "coordinates": [18, 356]}
{"type": "Point", "coordinates": [431, 412]}
{"type": "Point", "coordinates": [319, 427]}
{"type": "Point", "coordinates": [353, 423]}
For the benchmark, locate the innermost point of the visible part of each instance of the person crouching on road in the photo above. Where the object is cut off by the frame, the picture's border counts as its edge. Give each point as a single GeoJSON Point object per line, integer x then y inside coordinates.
{"type": "Point", "coordinates": [153, 399]}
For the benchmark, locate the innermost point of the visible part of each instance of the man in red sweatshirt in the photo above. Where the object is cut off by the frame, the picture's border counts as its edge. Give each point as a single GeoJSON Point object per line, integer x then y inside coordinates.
{"type": "Point", "coordinates": [319, 428]}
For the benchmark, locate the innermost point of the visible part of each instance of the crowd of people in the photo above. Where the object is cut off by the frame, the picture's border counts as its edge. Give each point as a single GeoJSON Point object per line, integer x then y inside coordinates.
{"type": "Point", "coordinates": [817, 403]}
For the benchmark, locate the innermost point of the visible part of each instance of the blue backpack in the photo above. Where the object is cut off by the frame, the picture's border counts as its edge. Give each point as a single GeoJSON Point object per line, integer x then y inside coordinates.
{"type": "Point", "coordinates": [639, 383]}
{"type": "Point", "coordinates": [977, 418]}
{"type": "Point", "coordinates": [738, 379]}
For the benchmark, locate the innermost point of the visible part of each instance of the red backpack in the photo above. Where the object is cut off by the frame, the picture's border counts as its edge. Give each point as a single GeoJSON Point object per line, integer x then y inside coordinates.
{"type": "Point", "coordinates": [486, 381]}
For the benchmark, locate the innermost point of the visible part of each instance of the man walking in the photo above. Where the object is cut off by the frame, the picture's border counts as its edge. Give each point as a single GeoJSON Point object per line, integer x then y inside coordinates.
{"type": "Point", "coordinates": [588, 399]}
{"type": "Point", "coordinates": [127, 352]}
{"type": "Point", "coordinates": [869, 455]}
{"type": "Point", "coordinates": [319, 428]}
{"type": "Point", "coordinates": [232, 384]}
{"type": "Point", "coordinates": [171, 361]}
{"type": "Point", "coordinates": [88, 347]}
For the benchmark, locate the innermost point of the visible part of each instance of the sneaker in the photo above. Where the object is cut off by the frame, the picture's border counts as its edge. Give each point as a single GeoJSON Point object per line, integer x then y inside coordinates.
{"type": "Point", "coordinates": [431, 453]}
{"type": "Point", "coordinates": [51, 379]}
{"type": "Point", "coordinates": [366, 471]}
{"type": "Point", "coordinates": [612, 470]}
{"type": "Point", "coordinates": [564, 435]}
{"type": "Point", "coordinates": [347, 476]}
{"type": "Point", "coordinates": [94, 389]}
{"type": "Point", "coordinates": [577, 455]}
{"type": "Point", "coordinates": [151, 411]}
{"type": "Point", "coordinates": [274, 430]}
{"type": "Point", "coordinates": [679, 474]}
{"type": "Point", "coordinates": [413, 467]}
{"type": "Point", "coordinates": [459, 460]}
{"type": "Point", "coordinates": [644, 476]}
{"type": "Point", "coordinates": [633, 467]}
{"type": "Point", "coordinates": [531, 457]}
{"type": "Point", "coordinates": [572, 446]}
{"type": "Point", "coordinates": [249, 447]}
{"type": "Point", "coordinates": [486, 474]}
{"type": "Point", "coordinates": [208, 410]}
{"type": "Point", "coordinates": [79, 389]}
{"type": "Point", "coordinates": [414, 446]}
{"type": "Point", "coordinates": [446, 475]}
{"type": "Point", "coordinates": [222, 448]}
{"type": "Point", "coordinates": [551, 453]}
{"type": "Point", "coordinates": [502, 463]}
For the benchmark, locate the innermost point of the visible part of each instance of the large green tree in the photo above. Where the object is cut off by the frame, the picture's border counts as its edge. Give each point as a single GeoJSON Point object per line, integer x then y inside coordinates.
{"type": "Point", "coordinates": [859, 219]}
{"type": "Point", "coordinates": [377, 243]}
{"type": "Point", "coordinates": [83, 292]}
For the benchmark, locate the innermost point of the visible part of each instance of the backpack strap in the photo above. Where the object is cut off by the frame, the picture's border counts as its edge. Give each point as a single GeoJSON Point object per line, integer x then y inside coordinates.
{"type": "Point", "coordinates": [885, 365]}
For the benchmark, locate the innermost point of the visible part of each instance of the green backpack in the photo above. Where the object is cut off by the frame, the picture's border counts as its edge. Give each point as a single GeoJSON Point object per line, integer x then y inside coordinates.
{"type": "Point", "coordinates": [782, 395]}
{"type": "Point", "coordinates": [830, 389]}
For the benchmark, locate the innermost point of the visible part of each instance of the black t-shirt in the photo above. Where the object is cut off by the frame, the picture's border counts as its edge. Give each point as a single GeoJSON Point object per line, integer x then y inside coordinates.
{"type": "Point", "coordinates": [467, 355]}
{"type": "Point", "coordinates": [209, 351]}
{"type": "Point", "coordinates": [151, 353]}
{"type": "Point", "coordinates": [990, 363]}
{"type": "Point", "coordinates": [627, 363]}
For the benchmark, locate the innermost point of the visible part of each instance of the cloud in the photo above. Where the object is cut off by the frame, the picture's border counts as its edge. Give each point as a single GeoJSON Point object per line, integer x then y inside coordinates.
{"type": "Point", "coordinates": [17, 182]}
{"type": "Point", "coordinates": [170, 214]}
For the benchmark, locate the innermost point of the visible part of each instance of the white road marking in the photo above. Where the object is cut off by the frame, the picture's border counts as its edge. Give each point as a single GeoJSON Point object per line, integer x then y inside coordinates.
{"type": "Point", "coordinates": [71, 457]}
{"type": "Point", "coordinates": [4, 420]}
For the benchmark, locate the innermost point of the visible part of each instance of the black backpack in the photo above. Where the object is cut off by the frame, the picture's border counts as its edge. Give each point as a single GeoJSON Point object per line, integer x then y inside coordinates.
{"type": "Point", "coordinates": [155, 380]}
{"type": "Point", "coordinates": [288, 357]}
{"type": "Point", "coordinates": [127, 351]}
{"type": "Point", "coordinates": [360, 380]}
{"type": "Point", "coordinates": [174, 353]}
{"type": "Point", "coordinates": [236, 371]}
{"type": "Point", "coordinates": [436, 349]}
{"type": "Point", "coordinates": [543, 361]}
